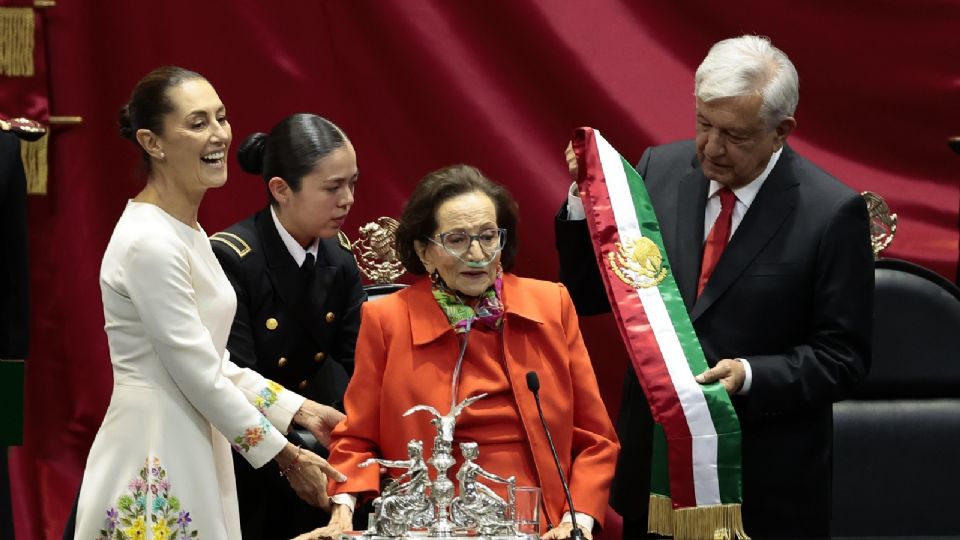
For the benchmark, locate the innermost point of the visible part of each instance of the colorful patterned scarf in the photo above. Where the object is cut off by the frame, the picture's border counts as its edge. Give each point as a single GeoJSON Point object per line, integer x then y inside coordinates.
{"type": "Point", "coordinates": [488, 313]}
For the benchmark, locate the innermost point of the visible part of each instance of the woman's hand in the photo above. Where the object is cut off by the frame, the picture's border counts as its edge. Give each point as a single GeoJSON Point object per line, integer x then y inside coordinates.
{"type": "Point", "coordinates": [318, 419]}
{"type": "Point", "coordinates": [562, 531]}
{"type": "Point", "coordinates": [307, 474]}
{"type": "Point", "coordinates": [341, 520]}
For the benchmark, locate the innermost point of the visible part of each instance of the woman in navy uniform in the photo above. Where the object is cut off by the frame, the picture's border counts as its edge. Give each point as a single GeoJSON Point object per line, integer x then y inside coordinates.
{"type": "Point", "coordinates": [298, 292]}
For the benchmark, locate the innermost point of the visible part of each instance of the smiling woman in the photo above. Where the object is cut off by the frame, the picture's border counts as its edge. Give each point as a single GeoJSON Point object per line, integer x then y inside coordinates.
{"type": "Point", "coordinates": [159, 465]}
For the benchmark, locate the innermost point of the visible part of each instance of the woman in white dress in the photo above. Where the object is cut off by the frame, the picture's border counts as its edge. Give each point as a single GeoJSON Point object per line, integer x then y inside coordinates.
{"type": "Point", "coordinates": [160, 466]}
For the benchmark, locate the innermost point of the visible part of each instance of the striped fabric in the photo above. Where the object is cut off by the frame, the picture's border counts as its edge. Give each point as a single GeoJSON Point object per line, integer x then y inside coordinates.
{"type": "Point", "coordinates": [701, 433]}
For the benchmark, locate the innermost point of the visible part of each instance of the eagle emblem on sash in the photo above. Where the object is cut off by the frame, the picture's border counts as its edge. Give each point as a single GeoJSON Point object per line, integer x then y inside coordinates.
{"type": "Point", "coordinates": [638, 263]}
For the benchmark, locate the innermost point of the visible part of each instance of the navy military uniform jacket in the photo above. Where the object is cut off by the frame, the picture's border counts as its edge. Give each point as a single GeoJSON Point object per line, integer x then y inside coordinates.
{"type": "Point", "coordinates": [297, 327]}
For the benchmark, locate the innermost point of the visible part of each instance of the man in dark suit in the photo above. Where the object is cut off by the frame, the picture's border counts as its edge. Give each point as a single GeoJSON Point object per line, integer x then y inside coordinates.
{"type": "Point", "coordinates": [772, 258]}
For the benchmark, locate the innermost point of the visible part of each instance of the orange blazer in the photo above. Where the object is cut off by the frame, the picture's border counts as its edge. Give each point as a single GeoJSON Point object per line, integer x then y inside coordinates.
{"type": "Point", "coordinates": [406, 335]}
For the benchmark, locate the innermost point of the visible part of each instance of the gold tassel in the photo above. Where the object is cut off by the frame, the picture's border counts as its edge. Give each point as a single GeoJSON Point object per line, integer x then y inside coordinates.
{"type": "Point", "coordinates": [715, 522]}
{"type": "Point", "coordinates": [16, 42]}
{"type": "Point", "coordinates": [660, 517]}
{"type": "Point", "coordinates": [34, 158]}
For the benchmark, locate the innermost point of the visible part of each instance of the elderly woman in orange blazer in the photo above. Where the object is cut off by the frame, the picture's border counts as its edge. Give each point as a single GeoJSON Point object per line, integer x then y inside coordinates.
{"type": "Point", "coordinates": [459, 229]}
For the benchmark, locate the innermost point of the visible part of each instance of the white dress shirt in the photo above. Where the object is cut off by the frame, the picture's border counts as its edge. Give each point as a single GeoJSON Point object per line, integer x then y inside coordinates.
{"type": "Point", "coordinates": [294, 247]}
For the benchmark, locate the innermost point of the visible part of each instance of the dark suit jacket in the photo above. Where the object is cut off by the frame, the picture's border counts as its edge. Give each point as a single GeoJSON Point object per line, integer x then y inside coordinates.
{"type": "Point", "coordinates": [14, 276]}
{"type": "Point", "coordinates": [298, 329]}
{"type": "Point", "coordinates": [792, 293]}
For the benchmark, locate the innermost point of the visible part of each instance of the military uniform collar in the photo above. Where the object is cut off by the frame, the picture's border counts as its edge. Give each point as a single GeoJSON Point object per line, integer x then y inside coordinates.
{"type": "Point", "coordinates": [295, 249]}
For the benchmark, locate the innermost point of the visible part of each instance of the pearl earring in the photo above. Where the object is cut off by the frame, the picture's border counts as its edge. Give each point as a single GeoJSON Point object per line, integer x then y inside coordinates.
{"type": "Point", "coordinates": [163, 156]}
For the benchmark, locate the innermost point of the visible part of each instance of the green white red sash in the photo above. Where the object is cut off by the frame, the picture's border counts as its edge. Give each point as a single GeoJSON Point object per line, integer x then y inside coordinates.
{"type": "Point", "coordinates": [698, 449]}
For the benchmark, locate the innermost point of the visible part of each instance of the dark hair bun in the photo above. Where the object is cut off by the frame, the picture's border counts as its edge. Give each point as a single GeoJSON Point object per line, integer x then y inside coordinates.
{"type": "Point", "coordinates": [250, 154]}
{"type": "Point", "coordinates": [126, 125]}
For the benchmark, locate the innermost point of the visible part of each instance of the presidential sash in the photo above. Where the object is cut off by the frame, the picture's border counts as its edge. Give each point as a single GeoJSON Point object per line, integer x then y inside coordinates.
{"type": "Point", "coordinates": [695, 486]}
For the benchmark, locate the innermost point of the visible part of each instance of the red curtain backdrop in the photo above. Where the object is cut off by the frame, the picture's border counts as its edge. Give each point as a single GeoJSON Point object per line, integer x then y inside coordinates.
{"type": "Point", "coordinates": [417, 85]}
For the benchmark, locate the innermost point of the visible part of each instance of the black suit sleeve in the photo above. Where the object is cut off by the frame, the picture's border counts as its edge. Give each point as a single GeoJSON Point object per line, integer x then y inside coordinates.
{"type": "Point", "coordinates": [579, 270]}
{"type": "Point", "coordinates": [14, 273]}
{"type": "Point", "coordinates": [836, 356]}
{"type": "Point", "coordinates": [240, 344]}
{"type": "Point", "coordinates": [578, 265]}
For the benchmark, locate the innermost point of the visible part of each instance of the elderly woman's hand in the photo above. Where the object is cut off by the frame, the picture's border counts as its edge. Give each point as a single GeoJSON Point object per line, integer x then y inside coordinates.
{"type": "Point", "coordinates": [562, 531]}
{"type": "Point", "coordinates": [307, 474]}
{"type": "Point", "coordinates": [318, 419]}
{"type": "Point", "coordinates": [341, 520]}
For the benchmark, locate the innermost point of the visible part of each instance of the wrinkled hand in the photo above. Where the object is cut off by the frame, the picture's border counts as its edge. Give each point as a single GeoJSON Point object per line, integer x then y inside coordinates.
{"type": "Point", "coordinates": [729, 372]}
{"type": "Point", "coordinates": [563, 530]}
{"type": "Point", "coordinates": [571, 161]}
{"type": "Point", "coordinates": [308, 476]}
{"type": "Point", "coordinates": [318, 419]}
{"type": "Point", "coordinates": [341, 520]}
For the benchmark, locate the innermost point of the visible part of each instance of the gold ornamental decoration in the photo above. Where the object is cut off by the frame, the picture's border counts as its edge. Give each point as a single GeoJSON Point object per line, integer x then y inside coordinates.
{"type": "Point", "coordinates": [375, 253]}
{"type": "Point", "coordinates": [883, 223]}
{"type": "Point", "coordinates": [638, 263]}
{"type": "Point", "coordinates": [16, 41]}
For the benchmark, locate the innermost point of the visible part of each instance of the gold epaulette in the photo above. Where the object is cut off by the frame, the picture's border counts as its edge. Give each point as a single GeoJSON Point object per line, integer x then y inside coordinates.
{"type": "Point", "coordinates": [235, 242]}
{"type": "Point", "coordinates": [344, 241]}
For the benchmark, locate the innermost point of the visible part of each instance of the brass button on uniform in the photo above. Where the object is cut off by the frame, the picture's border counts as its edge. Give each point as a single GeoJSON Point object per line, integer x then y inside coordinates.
{"type": "Point", "coordinates": [319, 357]}
{"type": "Point", "coordinates": [303, 385]}
{"type": "Point", "coordinates": [282, 361]}
{"type": "Point", "coordinates": [272, 324]}
{"type": "Point", "coordinates": [330, 316]}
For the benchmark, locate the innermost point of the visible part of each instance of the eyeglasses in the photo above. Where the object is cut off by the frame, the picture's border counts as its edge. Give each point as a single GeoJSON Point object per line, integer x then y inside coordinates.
{"type": "Point", "coordinates": [457, 243]}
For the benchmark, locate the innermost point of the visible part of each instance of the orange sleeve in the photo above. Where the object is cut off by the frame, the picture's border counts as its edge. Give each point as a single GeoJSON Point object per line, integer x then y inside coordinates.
{"type": "Point", "coordinates": [594, 445]}
{"type": "Point", "coordinates": [357, 438]}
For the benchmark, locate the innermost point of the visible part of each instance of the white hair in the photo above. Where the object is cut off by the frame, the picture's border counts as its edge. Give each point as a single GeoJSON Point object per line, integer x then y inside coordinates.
{"type": "Point", "coordinates": [746, 66]}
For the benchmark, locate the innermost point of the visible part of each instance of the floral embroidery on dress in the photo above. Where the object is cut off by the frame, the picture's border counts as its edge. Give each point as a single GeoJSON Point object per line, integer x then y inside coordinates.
{"type": "Point", "coordinates": [252, 436]}
{"type": "Point", "coordinates": [128, 520]}
{"type": "Point", "coordinates": [267, 396]}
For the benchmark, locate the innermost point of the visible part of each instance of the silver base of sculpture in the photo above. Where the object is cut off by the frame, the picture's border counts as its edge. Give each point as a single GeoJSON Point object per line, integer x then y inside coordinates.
{"type": "Point", "coordinates": [421, 535]}
{"type": "Point", "coordinates": [413, 506]}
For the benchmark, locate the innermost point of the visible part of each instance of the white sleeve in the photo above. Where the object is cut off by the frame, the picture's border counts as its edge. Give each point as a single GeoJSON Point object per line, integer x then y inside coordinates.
{"type": "Point", "coordinates": [346, 499]}
{"type": "Point", "coordinates": [272, 400]}
{"type": "Point", "coordinates": [575, 211]}
{"type": "Point", "coordinates": [160, 287]}
{"type": "Point", "coordinates": [747, 377]}
{"type": "Point", "coordinates": [583, 520]}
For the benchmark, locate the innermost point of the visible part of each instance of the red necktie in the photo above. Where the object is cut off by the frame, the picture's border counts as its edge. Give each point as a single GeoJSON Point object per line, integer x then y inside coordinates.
{"type": "Point", "coordinates": [718, 237]}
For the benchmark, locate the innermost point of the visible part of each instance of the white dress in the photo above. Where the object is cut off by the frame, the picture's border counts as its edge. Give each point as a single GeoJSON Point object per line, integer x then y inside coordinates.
{"type": "Point", "coordinates": [160, 466]}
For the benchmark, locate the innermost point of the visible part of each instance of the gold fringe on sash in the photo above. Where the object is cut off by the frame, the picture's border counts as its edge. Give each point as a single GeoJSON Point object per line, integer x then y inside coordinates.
{"type": "Point", "coordinates": [34, 158]}
{"type": "Point", "coordinates": [714, 522]}
{"type": "Point", "coordinates": [16, 42]}
{"type": "Point", "coordinates": [660, 516]}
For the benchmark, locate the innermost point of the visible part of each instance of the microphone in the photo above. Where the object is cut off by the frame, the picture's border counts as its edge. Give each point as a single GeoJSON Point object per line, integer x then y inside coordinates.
{"type": "Point", "coordinates": [533, 383]}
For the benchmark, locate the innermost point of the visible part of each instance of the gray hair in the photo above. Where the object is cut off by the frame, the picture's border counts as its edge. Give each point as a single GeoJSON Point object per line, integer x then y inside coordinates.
{"type": "Point", "coordinates": [750, 65]}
